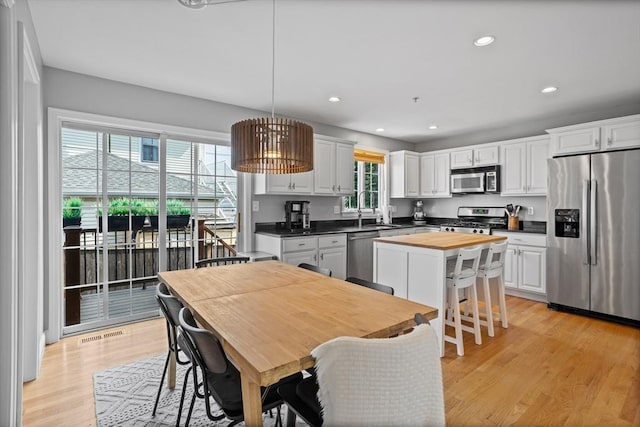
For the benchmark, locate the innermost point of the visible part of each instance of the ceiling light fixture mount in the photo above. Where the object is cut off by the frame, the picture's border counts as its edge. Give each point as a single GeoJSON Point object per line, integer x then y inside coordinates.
{"type": "Point", "coordinates": [549, 89]}
{"type": "Point", "coordinates": [380, 130]}
{"type": "Point", "coordinates": [269, 144]}
{"type": "Point", "coordinates": [433, 127]}
{"type": "Point", "coordinates": [334, 99]}
{"type": "Point", "coordinates": [199, 4]}
{"type": "Point", "coordinates": [484, 41]}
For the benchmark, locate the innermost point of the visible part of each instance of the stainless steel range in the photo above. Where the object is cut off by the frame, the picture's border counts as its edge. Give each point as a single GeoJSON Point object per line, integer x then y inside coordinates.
{"type": "Point", "coordinates": [477, 220]}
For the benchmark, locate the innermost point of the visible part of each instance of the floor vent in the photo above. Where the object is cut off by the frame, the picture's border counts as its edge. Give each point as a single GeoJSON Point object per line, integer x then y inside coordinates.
{"type": "Point", "coordinates": [114, 334]}
{"type": "Point", "coordinates": [90, 339]}
{"type": "Point", "coordinates": [94, 338]}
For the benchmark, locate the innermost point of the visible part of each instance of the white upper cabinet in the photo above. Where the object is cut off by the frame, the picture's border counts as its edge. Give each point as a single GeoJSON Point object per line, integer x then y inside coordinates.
{"type": "Point", "coordinates": [603, 135]}
{"type": "Point", "coordinates": [332, 173]}
{"type": "Point", "coordinates": [296, 183]}
{"type": "Point", "coordinates": [524, 170]}
{"type": "Point", "coordinates": [333, 168]}
{"type": "Point", "coordinates": [404, 169]}
{"type": "Point", "coordinates": [434, 175]}
{"type": "Point", "coordinates": [473, 157]}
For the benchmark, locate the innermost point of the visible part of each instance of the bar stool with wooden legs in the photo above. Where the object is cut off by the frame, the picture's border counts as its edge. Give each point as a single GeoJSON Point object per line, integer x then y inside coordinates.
{"type": "Point", "coordinates": [463, 277]}
{"type": "Point", "coordinates": [493, 267]}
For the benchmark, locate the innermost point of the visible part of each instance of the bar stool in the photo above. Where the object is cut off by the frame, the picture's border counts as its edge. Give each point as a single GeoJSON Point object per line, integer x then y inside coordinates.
{"type": "Point", "coordinates": [493, 267]}
{"type": "Point", "coordinates": [463, 277]}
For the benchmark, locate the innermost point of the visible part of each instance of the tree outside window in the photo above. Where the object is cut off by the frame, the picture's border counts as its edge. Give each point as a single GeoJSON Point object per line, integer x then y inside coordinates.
{"type": "Point", "coordinates": [366, 179]}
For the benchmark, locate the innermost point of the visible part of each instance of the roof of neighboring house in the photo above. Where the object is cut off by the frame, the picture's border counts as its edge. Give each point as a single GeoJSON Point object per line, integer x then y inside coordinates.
{"type": "Point", "coordinates": [80, 177]}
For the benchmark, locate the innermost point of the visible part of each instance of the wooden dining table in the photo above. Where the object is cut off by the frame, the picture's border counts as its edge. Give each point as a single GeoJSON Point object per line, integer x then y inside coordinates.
{"type": "Point", "coordinates": [269, 316]}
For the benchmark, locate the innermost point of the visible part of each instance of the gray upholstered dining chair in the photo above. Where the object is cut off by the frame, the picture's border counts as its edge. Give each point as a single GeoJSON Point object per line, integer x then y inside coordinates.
{"type": "Point", "coordinates": [170, 307]}
{"type": "Point", "coordinates": [212, 262]}
{"type": "Point", "coordinates": [359, 382]}
{"type": "Point", "coordinates": [371, 285]}
{"type": "Point", "coordinates": [321, 270]}
{"type": "Point", "coordinates": [216, 378]}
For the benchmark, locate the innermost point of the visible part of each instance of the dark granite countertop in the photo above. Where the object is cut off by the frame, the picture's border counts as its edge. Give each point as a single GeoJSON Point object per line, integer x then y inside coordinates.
{"type": "Point", "coordinates": [351, 226]}
{"type": "Point", "coordinates": [342, 226]}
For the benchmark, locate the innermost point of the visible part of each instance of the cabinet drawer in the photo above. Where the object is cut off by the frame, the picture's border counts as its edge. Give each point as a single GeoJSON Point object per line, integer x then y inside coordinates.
{"type": "Point", "coordinates": [332, 241]}
{"type": "Point", "coordinates": [524, 239]}
{"type": "Point", "coordinates": [299, 244]}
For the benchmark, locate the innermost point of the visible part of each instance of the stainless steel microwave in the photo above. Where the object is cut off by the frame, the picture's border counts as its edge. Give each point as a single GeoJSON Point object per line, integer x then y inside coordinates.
{"type": "Point", "coordinates": [476, 180]}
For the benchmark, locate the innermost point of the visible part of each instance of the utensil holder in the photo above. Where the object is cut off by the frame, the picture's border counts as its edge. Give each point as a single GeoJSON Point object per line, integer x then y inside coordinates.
{"type": "Point", "coordinates": [514, 223]}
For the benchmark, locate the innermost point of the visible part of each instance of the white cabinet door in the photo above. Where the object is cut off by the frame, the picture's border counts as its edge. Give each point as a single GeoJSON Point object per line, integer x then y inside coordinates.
{"type": "Point", "coordinates": [302, 183]}
{"type": "Point", "coordinates": [514, 170]}
{"type": "Point", "coordinates": [511, 267]}
{"type": "Point", "coordinates": [576, 141]}
{"type": "Point", "coordinates": [344, 169]}
{"type": "Point", "coordinates": [335, 259]}
{"type": "Point", "coordinates": [442, 174]}
{"type": "Point", "coordinates": [531, 265]}
{"type": "Point", "coordinates": [324, 167]}
{"type": "Point", "coordinates": [427, 175]}
{"type": "Point", "coordinates": [278, 183]}
{"type": "Point", "coordinates": [412, 178]}
{"type": "Point", "coordinates": [622, 135]}
{"type": "Point", "coordinates": [295, 258]}
{"type": "Point", "coordinates": [461, 159]}
{"type": "Point", "coordinates": [486, 156]}
{"type": "Point", "coordinates": [537, 155]}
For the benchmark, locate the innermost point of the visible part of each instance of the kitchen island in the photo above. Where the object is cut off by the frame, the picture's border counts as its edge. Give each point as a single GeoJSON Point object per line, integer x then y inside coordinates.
{"type": "Point", "coordinates": [415, 266]}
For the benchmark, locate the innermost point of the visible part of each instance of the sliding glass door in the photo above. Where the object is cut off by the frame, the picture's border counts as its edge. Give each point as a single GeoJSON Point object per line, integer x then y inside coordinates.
{"type": "Point", "coordinates": [136, 203]}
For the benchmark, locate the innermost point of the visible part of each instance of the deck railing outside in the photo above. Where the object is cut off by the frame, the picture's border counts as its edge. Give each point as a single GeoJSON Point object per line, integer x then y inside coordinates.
{"type": "Point", "coordinates": [133, 259]}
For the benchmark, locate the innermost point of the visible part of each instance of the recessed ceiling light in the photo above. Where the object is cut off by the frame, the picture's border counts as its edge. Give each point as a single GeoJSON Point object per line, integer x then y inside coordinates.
{"type": "Point", "coordinates": [380, 130]}
{"type": "Point", "coordinates": [549, 89]}
{"type": "Point", "coordinates": [433, 127]}
{"type": "Point", "coordinates": [334, 99]}
{"type": "Point", "coordinates": [484, 41]}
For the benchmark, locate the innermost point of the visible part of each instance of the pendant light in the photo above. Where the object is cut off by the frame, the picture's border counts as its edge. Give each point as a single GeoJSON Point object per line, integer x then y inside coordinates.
{"type": "Point", "coordinates": [269, 144]}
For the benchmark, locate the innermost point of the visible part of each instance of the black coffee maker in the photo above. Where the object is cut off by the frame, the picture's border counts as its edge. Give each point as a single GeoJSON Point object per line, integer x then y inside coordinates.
{"type": "Point", "coordinates": [297, 214]}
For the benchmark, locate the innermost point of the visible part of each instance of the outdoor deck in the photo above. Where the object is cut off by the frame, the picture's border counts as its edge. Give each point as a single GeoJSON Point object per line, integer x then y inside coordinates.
{"type": "Point", "coordinates": [122, 303]}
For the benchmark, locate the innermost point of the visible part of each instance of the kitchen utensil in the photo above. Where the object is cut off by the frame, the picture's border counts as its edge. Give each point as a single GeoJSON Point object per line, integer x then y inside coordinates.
{"type": "Point", "coordinates": [517, 210]}
{"type": "Point", "coordinates": [510, 209]}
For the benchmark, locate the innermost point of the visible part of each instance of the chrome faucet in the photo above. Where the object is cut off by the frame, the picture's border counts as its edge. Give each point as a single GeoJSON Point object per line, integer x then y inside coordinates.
{"type": "Point", "coordinates": [359, 196]}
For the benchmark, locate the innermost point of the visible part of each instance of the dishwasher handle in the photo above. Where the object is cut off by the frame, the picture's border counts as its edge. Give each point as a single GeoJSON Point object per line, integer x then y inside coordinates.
{"type": "Point", "coordinates": [365, 235]}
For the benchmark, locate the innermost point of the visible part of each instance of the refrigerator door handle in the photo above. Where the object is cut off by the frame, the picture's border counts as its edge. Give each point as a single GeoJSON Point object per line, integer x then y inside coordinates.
{"type": "Point", "coordinates": [584, 222]}
{"type": "Point", "coordinates": [593, 223]}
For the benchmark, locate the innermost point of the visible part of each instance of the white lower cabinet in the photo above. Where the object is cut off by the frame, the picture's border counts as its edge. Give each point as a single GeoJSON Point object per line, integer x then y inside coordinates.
{"type": "Point", "coordinates": [328, 251]}
{"type": "Point", "coordinates": [525, 264]}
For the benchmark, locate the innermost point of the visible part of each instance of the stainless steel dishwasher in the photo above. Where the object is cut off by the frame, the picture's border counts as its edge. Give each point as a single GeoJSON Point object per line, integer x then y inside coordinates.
{"type": "Point", "coordinates": [360, 254]}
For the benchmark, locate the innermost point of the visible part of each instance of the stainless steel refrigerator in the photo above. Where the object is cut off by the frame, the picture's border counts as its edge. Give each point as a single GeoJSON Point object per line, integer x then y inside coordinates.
{"type": "Point", "coordinates": [593, 231]}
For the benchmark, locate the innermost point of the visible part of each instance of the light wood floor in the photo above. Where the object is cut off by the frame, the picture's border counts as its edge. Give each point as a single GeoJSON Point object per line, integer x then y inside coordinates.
{"type": "Point", "coordinates": [547, 368]}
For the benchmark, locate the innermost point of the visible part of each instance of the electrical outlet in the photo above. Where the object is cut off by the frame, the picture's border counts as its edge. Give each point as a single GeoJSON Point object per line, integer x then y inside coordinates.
{"type": "Point", "coordinates": [530, 210]}
{"type": "Point", "coordinates": [336, 209]}
{"type": "Point", "coordinates": [255, 206]}
{"type": "Point", "coordinates": [393, 208]}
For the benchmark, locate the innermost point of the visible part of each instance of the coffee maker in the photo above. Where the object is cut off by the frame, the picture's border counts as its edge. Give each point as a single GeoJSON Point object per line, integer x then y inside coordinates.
{"type": "Point", "coordinates": [297, 214]}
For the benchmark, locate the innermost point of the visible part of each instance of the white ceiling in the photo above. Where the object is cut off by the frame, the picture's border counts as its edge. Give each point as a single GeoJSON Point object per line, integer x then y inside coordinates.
{"type": "Point", "coordinates": [376, 55]}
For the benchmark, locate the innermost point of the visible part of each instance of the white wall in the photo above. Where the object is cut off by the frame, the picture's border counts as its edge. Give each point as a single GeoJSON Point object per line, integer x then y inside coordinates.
{"type": "Point", "coordinates": [79, 92]}
{"type": "Point", "coordinates": [534, 126]}
{"type": "Point", "coordinates": [448, 207]}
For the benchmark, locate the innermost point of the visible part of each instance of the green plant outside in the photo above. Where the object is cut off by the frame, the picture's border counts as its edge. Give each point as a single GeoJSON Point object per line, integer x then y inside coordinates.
{"type": "Point", "coordinates": [72, 208]}
{"type": "Point", "coordinates": [138, 207]}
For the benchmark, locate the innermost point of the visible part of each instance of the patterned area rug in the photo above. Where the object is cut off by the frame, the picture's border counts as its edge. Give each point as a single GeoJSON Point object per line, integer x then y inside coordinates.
{"type": "Point", "coordinates": [125, 395]}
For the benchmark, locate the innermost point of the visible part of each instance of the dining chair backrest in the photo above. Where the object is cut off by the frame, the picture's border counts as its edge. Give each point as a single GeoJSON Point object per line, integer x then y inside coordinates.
{"type": "Point", "coordinates": [169, 304]}
{"type": "Point", "coordinates": [388, 381]}
{"type": "Point", "coordinates": [203, 345]}
{"type": "Point", "coordinates": [466, 268]}
{"type": "Point", "coordinates": [315, 268]}
{"type": "Point", "coordinates": [495, 257]}
{"type": "Point", "coordinates": [213, 262]}
{"type": "Point", "coordinates": [371, 285]}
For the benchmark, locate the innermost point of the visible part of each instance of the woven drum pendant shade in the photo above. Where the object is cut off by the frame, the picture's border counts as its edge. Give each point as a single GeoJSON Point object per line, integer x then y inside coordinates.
{"type": "Point", "coordinates": [271, 145]}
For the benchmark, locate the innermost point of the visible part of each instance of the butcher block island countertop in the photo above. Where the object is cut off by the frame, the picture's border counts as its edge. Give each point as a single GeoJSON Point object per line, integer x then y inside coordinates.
{"type": "Point", "coordinates": [441, 240]}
